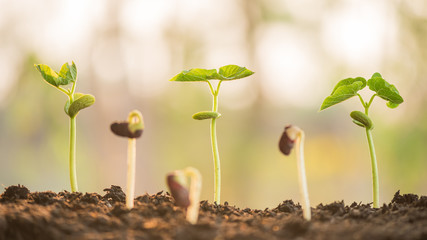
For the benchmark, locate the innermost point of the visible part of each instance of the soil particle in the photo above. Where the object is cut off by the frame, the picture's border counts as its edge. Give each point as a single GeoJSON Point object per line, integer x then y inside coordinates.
{"type": "Point", "coordinates": [65, 215]}
{"type": "Point", "coordinates": [15, 192]}
{"type": "Point", "coordinates": [114, 194]}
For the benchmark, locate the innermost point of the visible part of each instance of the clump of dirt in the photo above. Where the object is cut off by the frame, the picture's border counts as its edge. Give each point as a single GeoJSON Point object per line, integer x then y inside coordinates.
{"type": "Point", "coordinates": [15, 192]}
{"type": "Point", "coordinates": [65, 215]}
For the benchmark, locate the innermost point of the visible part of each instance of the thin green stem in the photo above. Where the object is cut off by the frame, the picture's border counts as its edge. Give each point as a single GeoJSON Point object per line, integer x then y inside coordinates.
{"type": "Point", "coordinates": [370, 101]}
{"type": "Point", "coordinates": [211, 88]}
{"type": "Point", "coordinates": [63, 90]}
{"type": "Point", "coordinates": [361, 100]}
{"type": "Point", "coordinates": [217, 168]}
{"type": "Point", "coordinates": [73, 175]}
{"type": "Point", "coordinates": [375, 182]}
{"type": "Point", "coordinates": [73, 89]}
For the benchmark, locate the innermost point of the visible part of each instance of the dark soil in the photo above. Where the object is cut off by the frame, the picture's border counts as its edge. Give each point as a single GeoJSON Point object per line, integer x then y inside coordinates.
{"type": "Point", "coordinates": [64, 215]}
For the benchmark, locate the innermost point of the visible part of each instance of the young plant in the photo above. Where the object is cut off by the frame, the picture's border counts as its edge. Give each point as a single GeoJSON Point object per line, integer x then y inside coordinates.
{"type": "Point", "coordinates": [188, 199]}
{"type": "Point", "coordinates": [131, 129]}
{"type": "Point", "coordinates": [293, 135]}
{"type": "Point", "coordinates": [348, 88]}
{"type": "Point", "coordinates": [65, 81]}
{"type": "Point", "coordinates": [225, 73]}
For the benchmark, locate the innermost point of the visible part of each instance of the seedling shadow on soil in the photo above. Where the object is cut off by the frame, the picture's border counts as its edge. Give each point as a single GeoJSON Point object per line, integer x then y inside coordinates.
{"type": "Point", "coordinates": [65, 215]}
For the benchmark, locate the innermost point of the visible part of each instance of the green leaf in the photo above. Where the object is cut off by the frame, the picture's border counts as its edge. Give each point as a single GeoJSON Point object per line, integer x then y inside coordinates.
{"type": "Point", "coordinates": [80, 102]}
{"type": "Point", "coordinates": [206, 115]}
{"type": "Point", "coordinates": [196, 75]}
{"type": "Point", "coordinates": [229, 72]}
{"type": "Point", "coordinates": [344, 90]}
{"type": "Point", "coordinates": [73, 70]}
{"type": "Point", "coordinates": [48, 74]}
{"type": "Point", "coordinates": [361, 119]}
{"type": "Point", "coordinates": [375, 75]}
{"type": "Point", "coordinates": [358, 123]}
{"type": "Point", "coordinates": [232, 72]}
{"type": "Point", "coordinates": [136, 122]}
{"type": "Point", "coordinates": [385, 90]}
{"type": "Point", "coordinates": [67, 74]}
{"type": "Point", "coordinates": [392, 105]}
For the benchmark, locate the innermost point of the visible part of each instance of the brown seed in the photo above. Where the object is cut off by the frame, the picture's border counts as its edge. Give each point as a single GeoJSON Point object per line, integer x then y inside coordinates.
{"type": "Point", "coordinates": [121, 129]}
{"type": "Point", "coordinates": [178, 192]}
{"type": "Point", "coordinates": [285, 143]}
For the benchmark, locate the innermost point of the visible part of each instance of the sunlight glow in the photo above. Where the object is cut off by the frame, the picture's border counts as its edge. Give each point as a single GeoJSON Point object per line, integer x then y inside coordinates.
{"type": "Point", "coordinates": [356, 32]}
{"type": "Point", "coordinates": [289, 66]}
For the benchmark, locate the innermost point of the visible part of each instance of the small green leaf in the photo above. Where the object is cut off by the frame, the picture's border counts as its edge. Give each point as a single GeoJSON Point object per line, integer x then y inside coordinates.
{"type": "Point", "coordinates": [80, 102]}
{"type": "Point", "coordinates": [229, 72]}
{"type": "Point", "coordinates": [67, 74]}
{"type": "Point", "coordinates": [358, 123]}
{"type": "Point", "coordinates": [361, 119]}
{"type": "Point", "coordinates": [344, 90]}
{"type": "Point", "coordinates": [48, 74]}
{"type": "Point", "coordinates": [73, 70]}
{"type": "Point", "coordinates": [392, 105]}
{"type": "Point", "coordinates": [376, 75]}
{"type": "Point", "coordinates": [349, 81]}
{"type": "Point", "coordinates": [232, 72]}
{"type": "Point", "coordinates": [385, 90]}
{"type": "Point", "coordinates": [136, 122]}
{"type": "Point", "coordinates": [206, 115]}
{"type": "Point", "coordinates": [196, 75]}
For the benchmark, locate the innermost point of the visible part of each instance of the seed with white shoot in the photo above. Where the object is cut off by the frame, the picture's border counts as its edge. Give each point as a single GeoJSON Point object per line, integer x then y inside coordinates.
{"type": "Point", "coordinates": [131, 129]}
{"type": "Point", "coordinates": [188, 199]}
{"type": "Point", "coordinates": [294, 135]}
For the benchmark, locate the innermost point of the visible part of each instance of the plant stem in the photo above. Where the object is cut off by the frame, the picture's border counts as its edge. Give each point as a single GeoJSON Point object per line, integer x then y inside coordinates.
{"type": "Point", "coordinates": [63, 90]}
{"type": "Point", "coordinates": [302, 177]}
{"type": "Point", "coordinates": [130, 186]}
{"type": "Point", "coordinates": [217, 168]}
{"type": "Point", "coordinates": [376, 189]}
{"type": "Point", "coordinates": [375, 181]}
{"type": "Point", "coordinates": [73, 175]}
{"type": "Point", "coordinates": [195, 188]}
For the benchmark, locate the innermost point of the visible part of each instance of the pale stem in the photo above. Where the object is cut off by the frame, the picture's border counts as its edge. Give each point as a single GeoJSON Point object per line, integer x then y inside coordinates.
{"type": "Point", "coordinates": [195, 189]}
{"type": "Point", "coordinates": [130, 186]}
{"type": "Point", "coordinates": [302, 177]}
{"type": "Point", "coordinates": [73, 174]}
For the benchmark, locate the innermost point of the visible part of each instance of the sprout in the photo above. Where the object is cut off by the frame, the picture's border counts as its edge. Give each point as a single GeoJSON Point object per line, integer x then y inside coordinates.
{"type": "Point", "coordinates": [348, 88]}
{"type": "Point", "coordinates": [291, 136]}
{"type": "Point", "coordinates": [225, 73]}
{"type": "Point", "coordinates": [76, 102]}
{"type": "Point", "coordinates": [190, 200]}
{"type": "Point", "coordinates": [131, 129]}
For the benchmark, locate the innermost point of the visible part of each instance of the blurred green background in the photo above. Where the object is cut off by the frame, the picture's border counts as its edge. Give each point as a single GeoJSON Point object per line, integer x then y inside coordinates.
{"type": "Point", "coordinates": [126, 51]}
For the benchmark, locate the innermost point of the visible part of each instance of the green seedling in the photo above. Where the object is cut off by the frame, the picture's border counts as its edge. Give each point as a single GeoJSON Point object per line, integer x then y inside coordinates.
{"type": "Point", "coordinates": [132, 129]}
{"type": "Point", "coordinates": [295, 136]}
{"type": "Point", "coordinates": [225, 73]}
{"type": "Point", "coordinates": [186, 198]}
{"type": "Point", "coordinates": [350, 87]}
{"type": "Point", "coordinates": [65, 81]}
